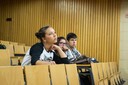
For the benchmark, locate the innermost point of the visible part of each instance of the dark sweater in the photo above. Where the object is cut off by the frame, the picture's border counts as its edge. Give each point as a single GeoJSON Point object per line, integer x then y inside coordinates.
{"type": "Point", "coordinates": [36, 51]}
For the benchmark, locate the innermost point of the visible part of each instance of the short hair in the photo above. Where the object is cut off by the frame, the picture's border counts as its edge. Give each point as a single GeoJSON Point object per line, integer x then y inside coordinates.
{"type": "Point", "coordinates": [59, 38]}
{"type": "Point", "coordinates": [41, 32]}
{"type": "Point", "coordinates": [71, 35]}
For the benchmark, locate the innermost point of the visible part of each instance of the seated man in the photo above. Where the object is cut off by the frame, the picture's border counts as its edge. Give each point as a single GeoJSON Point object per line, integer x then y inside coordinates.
{"type": "Point", "coordinates": [72, 41]}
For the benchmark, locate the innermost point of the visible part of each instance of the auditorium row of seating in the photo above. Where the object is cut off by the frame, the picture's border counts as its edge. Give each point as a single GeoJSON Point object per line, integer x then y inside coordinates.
{"type": "Point", "coordinates": [10, 42]}
{"type": "Point", "coordinates": [16, 51]}
{"type": "Point", "coordinates": [39, 75]}
{"type": "Point", "coordinates": [64, 74]}
{"type": "Point", "coordinates": [105, 73]}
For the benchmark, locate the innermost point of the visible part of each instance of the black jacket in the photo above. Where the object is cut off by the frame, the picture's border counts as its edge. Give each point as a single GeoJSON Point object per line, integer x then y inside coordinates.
{"type": "Point", "coordinates": [36, 51]}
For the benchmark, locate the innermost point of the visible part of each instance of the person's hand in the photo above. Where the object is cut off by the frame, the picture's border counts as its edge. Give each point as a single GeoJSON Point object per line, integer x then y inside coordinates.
{"type": "Point", "coordinates": [40, 62]}
{"type": "Point", "coordinates": [52, 62]}
{"type": "Point", "coordinates": [59, 50]}
{"type": "Point", "coordinates": [65, 48]}
{"type": "Point", "coordinates": [55, 47]}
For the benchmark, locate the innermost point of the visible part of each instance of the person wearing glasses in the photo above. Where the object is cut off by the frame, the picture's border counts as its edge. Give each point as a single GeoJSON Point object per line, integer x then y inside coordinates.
{"type": "Point", "coordinates": [62, 43]}
{"type": "Point", "coordinates": [44, 52]}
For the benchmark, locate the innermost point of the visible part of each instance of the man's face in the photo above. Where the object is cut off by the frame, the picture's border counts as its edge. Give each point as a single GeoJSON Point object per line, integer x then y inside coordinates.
{"type": "Point", "coordinates": [72, 42]}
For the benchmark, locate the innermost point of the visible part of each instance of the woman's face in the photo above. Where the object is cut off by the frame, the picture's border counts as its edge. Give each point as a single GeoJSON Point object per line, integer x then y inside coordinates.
{"type": "Point", "coordinates": [62, 43]}
{"type": "Point", "coordinates": [50, 36]}
{"type": "Point", "coordinates": [72, 42]}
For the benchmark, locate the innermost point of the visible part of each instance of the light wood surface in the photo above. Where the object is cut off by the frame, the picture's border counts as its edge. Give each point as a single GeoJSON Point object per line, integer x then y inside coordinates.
{"type": "Point", "coordinates": [11, 75]}
{"type": "Point", "coordinates": [19, 49]}
{"type": "Point", "coordinates": [37, 75]}
{"type": "Point", "coordinates": [96, 23]}
{"type": "Point", "coordinates": [4, 42]}
{"type": "Point", "coordinates": [72, 74]}
{"type": "Point", "coordinates": [11, 49]}
{"type": "Point", "coordinates": [4, 57]}
{"type": "Point", "coordinates": [26, 48]}
{"type": "Point", "coordinates": [58, 74]}
{"type": "Point", "coordinates": [86, 65]}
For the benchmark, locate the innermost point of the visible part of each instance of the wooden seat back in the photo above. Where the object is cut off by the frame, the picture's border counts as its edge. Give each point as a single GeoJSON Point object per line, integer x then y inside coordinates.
{"type": "Point", "coordinates": [4, 57]}
{"type": "Point", "coordinates": [58, 74]}
{"type": "Point", "coordinates": [37, 75]}
{"type": "Point", "coordinates": [11, 75]}
{"type": "Point", "coordinates": [72, 74]}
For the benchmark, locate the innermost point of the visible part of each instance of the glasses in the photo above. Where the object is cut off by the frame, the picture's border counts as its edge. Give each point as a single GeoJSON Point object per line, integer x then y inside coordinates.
{"type": "Point", "coordinates": [62, 43]}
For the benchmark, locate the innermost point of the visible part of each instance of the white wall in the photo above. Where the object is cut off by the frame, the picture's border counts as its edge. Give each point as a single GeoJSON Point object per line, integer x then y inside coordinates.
{"type": "Point", "coordinates": [124, 41]}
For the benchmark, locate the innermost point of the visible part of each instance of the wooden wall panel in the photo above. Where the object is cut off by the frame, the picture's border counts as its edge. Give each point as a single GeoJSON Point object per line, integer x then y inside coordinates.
{"type": "Point", "coordinates": [96, 22]}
